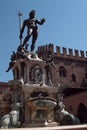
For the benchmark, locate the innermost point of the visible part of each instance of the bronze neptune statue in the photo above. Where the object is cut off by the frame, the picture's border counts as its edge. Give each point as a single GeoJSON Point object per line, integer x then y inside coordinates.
{"type": "Point", "coordinates": [32, 29]}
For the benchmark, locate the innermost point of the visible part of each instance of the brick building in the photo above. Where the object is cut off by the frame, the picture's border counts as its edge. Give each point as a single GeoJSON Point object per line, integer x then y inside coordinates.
{"type": "Point", "coordinates": [72, 74]}
{"type": "Point", "coordinates": [72, 68]}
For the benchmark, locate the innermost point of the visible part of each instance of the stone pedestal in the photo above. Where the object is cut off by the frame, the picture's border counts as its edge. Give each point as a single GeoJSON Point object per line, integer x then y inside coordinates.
{"type": "Point", "coordinates": [39, 95]}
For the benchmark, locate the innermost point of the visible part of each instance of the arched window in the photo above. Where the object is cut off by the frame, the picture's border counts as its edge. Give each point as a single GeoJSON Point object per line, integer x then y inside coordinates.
{"type": "Point", "coordinates": [73, 76]}
{"type": "Point", "coordinates": [62, 71]}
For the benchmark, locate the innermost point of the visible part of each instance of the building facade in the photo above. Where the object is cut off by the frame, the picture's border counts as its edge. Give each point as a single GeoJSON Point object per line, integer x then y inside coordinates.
{"type": "Point", "coordinates": [72, 73]}
{"type": "Point", "coordinates": [71, 66]}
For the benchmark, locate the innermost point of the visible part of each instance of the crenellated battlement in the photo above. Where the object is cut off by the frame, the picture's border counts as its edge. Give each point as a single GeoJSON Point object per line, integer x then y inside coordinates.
{"type": "Point", "coordinates": [45, 48]}
{"type": "Point", "coordinates": [63, 52]}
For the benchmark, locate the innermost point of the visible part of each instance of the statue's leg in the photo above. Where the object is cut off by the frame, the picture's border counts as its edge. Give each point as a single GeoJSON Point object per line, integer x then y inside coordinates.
{"type": "Point", "coordinates": [32, 46]}
{"type": "Point", "coordinates": [26, 39]}
{"type": "Point", "coordinates": [34, 38]}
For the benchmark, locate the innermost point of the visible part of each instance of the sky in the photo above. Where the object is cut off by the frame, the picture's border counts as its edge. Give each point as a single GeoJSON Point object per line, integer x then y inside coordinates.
{"type": "Point", "coordinates": [65, 26]}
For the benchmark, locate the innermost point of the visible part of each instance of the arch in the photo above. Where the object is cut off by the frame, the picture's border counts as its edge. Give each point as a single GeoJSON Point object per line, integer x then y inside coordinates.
{"type": "Point", "coordinates": [62, 71]}
{"type": "Point", "coordinates": [82, 113]}
{"type": "Point", "coordinates": [73, 76]}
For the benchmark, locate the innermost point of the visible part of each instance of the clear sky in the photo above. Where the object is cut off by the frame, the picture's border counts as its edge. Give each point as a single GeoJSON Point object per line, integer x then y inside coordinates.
{"type": "Point", "coordinates": [65, 26]}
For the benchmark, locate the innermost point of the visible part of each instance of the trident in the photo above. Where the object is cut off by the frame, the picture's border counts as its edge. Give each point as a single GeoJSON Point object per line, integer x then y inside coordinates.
{"type": "Point", "coordinates": [20, 14]}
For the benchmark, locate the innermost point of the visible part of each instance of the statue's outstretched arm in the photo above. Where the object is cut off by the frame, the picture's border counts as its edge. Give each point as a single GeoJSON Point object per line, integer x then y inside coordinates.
{"type": "Point", "coordinates": [40, 21]}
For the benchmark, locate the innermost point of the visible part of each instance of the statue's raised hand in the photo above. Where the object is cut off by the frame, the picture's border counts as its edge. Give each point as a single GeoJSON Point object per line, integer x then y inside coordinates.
{"type": "Point", "coordinates": [43, 20]}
